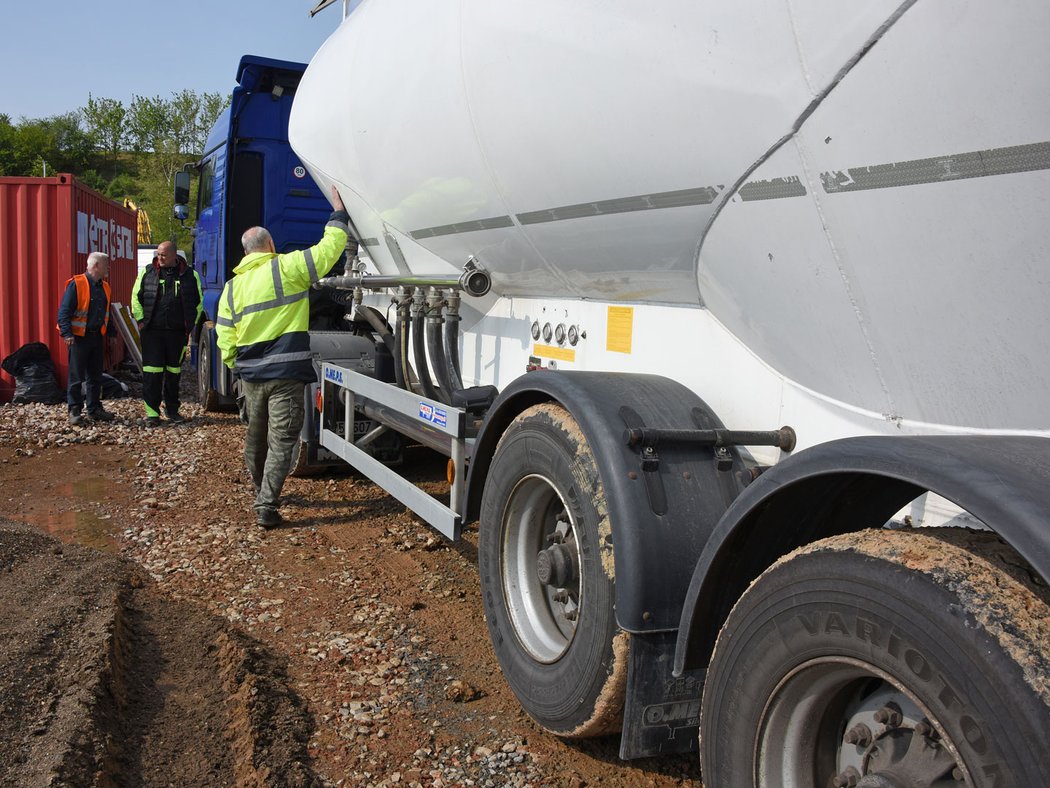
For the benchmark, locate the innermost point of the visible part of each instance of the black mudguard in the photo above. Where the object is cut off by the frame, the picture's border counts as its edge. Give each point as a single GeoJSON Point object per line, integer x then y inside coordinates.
{"type": "Point", "coordinates": [855, 483]}
{"type": "Point", "coordinates": [656, 545]}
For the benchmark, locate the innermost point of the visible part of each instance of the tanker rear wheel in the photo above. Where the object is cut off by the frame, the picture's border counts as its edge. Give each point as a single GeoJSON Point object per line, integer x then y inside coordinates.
{"type": "Point", "coordinates": [883, 658]}
{"type": "Point", "coordinates": [546, 565]}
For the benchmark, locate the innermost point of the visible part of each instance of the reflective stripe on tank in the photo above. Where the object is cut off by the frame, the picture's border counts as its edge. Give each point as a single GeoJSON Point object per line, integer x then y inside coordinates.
{"type": "Point", "coordinates": [1006, 160]}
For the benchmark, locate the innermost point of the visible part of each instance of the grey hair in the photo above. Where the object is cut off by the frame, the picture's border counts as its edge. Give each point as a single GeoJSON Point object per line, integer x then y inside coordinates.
{"type": "Point", "coordinates": [97, 257]}
{"type": "Point", "coordinates": [256, 239]}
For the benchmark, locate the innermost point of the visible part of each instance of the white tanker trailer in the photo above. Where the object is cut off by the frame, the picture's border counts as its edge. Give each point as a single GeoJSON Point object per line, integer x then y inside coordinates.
{"type": "Point", "coordinates": [701, 221]}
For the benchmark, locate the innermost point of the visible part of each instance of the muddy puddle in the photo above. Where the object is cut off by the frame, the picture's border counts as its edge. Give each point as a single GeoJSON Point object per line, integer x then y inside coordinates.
{"type": "Point", "coordinates": [83, 528]}
{"type": "Point", "coordinates": [79, 496]}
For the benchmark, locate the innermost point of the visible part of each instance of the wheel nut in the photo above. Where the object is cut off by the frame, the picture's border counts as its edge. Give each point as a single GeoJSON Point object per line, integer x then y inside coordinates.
{"type": "Point", "coordinates": [889, 715]}
{"type": "Point", "coordinates": [561, 595]}
{"type": "Point", "coordinates": [847, 779]}
{"type": "Point", "coordinates": [859, 734]}
{"type": "Point", "coordinates": [924, 728]}
{"type": "Point", "coordinates": [572, 615]}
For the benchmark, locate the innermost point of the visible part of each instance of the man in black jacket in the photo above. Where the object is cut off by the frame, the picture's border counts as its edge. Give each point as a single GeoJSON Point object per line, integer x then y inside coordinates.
{"type": "Point", "coordinates": [166, 302]}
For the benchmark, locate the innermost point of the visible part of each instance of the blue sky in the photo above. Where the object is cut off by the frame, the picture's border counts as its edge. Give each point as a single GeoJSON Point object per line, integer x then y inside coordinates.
{"type": "Point", "coordinates": [55, 53]}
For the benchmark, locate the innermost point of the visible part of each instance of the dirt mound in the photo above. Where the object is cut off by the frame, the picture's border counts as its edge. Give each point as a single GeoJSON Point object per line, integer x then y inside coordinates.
{"type": "Point", "coordinates": [106, 681]}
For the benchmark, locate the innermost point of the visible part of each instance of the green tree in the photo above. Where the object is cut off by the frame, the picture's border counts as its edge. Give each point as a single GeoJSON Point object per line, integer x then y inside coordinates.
{"type": "Point", "coordinates": [105, 119]}
{"type": "Point", "coordinates": [32, 145]}
{"type": "Point", "coordinates": [148, 123]}
{"type": "Point", "coordinates": [71, 146]}
{"type": "Point", "coordinates": [7, 145]}
{"type": "Point", "coordinates": [168, 133]}
{"type": "Point", "coordinates": [49, 145]}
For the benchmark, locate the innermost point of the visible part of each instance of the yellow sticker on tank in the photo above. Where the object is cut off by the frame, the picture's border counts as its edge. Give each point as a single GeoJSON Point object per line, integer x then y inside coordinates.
{"type": "Point", "coordinates": [556, 353]}
{"type": "Point", "coordinates": [619, 329]}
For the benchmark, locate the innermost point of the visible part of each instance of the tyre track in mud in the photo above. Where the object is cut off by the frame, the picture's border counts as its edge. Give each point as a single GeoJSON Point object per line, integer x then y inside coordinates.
{"type": "Point", "coordinates": [108, 682]}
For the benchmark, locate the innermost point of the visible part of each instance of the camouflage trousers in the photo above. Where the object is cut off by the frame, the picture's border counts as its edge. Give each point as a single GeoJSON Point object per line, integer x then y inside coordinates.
{"type": "Point", "coordinates": [275, 417]}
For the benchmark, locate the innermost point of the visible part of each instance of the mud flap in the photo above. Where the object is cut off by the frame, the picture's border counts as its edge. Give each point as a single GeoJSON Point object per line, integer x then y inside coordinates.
{"type": "Point", "coordinates": [661, 715]}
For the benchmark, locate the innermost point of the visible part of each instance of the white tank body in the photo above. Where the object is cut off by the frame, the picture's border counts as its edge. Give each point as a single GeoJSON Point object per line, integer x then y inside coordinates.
{"type": "Point", "coordinates": [856, 195]}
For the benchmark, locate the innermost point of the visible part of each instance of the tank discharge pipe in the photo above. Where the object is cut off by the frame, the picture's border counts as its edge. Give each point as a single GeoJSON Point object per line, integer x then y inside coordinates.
{"type": "Point", "coordinates": [451, 339]}
{"type": "Point", "coordinates": [435, 343]}
{"type": "Point", "coordinates": [373, 319]}
{"type": "Point", "coordinates": [419, 348]}
{"type": "Point", "coordinates": [474, 281]}
{"type": "Point", "coordinates": [402, 368]}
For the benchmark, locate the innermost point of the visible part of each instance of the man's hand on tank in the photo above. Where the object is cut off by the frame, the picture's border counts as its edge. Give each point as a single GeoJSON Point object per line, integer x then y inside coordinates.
{"type": "Point", "coordinates": [337, 201]}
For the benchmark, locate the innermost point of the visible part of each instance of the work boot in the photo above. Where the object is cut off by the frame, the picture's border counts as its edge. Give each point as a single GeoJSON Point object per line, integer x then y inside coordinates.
{"type": "Point", "coordinates": [101, 414]}
{"type": "Point", "coordinates": [75, 419]}
{"type": "Point", "coordinates": [268, 518]}
{"type": "Point", "coordinates": [153, 421]}
{"type": "Point", "coordinates": [175, 418]}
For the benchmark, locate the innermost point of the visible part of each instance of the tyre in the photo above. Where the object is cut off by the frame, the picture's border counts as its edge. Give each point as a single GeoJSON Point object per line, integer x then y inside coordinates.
{"type": "Point", "coordinates": [546, 566]}
{"type": "Point", "coordinates": [883, 658]}
{"type": "Point", "coordinates": [207, 396]}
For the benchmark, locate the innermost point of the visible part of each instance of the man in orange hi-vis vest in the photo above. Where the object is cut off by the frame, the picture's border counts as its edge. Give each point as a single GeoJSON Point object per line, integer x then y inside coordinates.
{"type": "Point", "coordinates": [82, 319]}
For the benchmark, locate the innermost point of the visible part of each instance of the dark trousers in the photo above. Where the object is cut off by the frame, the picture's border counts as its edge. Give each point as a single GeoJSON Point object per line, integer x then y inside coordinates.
{"type": "Point", "coordinates": [275, 418]}
{"type": "Point", "coordinates": [85, 364]}
{"type": "Point", "coordinates": [162, 354]}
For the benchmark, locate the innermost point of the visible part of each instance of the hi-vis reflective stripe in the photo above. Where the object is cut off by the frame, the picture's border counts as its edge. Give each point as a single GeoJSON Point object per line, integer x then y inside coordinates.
{"type": "Point", "coordinates": [283, 301]}
{"type": "Point", "coordinates": [310, 265]}
{"type": "Point", "coordinates": [275, 272]}
{"type": "Point", "coordinates": [278, 358]}
{"type": "Point", "coordinates": [280, 300]}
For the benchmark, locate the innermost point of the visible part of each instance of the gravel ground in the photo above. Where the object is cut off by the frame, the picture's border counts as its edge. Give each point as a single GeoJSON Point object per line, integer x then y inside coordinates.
{"type": "Point", "coordinates": [357, 632]}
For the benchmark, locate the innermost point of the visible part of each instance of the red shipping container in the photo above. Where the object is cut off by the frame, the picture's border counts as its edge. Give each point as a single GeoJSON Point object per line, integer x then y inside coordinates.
{"type": "Point", "coordinates": [47, 228]}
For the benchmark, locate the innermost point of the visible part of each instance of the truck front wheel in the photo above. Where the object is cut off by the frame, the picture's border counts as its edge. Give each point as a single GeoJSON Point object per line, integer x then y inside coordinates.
{"type": "Point", "coordinates": [883, 658]}
{"type": "Point", "coordinates": [547, 579]}
{"type": "Point", "coordinates": [206, 393]}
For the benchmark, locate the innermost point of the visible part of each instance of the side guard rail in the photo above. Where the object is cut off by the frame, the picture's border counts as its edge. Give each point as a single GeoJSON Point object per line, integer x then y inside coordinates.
{"type": "Point", "coordinates": [433, 423]}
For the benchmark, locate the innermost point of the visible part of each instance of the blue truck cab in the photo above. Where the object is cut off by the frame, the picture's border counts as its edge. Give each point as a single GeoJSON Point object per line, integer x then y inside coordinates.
{"type": "Point", "coordinates": [247, 176]}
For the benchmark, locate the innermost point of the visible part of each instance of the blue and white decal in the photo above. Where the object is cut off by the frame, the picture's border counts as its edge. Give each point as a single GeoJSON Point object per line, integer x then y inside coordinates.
{"type": "Point", "coordinates": [334, 375]}
{"type": "Point", "coordinates": [437, 416]}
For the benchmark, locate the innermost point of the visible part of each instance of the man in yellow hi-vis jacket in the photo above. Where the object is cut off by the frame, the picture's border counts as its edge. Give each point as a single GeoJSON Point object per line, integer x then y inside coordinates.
{"type": "Point", "coordinates": [262, 333]}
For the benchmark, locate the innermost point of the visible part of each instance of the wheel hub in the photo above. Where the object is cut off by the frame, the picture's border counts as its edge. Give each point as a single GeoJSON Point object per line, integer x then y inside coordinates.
{"type": "Point", "coordinates": [887, 740]}
{"type": "Point", "coordinates": [540, 566]}
{"type": "Point", "coordinates": [900, 752]}
{"type": "Point", "coordinates": [554, 566]}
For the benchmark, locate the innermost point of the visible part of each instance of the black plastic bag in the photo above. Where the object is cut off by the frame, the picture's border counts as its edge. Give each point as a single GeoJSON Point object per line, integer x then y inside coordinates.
{"type": "Point", "coordinates": [36, 383]}
{"type": "Point", "coordinates": [27, 354]}
{"type": "Point", "coordinates": [34, 375]}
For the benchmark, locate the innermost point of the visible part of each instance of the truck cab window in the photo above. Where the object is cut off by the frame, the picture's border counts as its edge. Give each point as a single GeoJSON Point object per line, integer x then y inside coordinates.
{"type": "Point", "coordinates": [207, 186]}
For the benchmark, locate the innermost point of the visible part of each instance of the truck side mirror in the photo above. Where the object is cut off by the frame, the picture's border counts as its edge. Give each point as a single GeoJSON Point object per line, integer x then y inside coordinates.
{"type": "Point", "coordinates": [182, 190]}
